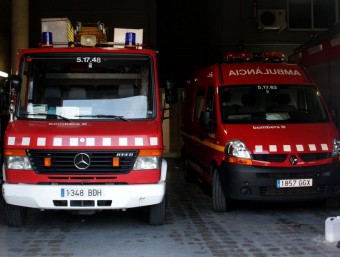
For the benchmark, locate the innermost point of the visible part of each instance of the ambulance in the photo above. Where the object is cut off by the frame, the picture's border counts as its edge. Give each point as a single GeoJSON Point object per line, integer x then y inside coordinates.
{"type": "Point", "coordinates": [85, 130]}
{"type": "Point", "coordinates": [256, 128]}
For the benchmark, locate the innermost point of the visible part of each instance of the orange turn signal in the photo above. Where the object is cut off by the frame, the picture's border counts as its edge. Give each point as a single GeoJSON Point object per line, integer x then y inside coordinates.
{"type": "Point", "coordinates": [15, 152]}
{"type": "Point", "coordinates": [115, 162]}
{"type": "Point", "coordinates": [47, 161]}
{"type": "Point", "coordinates": [155, 152]}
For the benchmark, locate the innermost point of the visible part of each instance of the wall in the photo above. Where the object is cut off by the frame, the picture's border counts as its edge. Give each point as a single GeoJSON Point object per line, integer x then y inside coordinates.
{"type": "Point", "coordinates": [4, 35]}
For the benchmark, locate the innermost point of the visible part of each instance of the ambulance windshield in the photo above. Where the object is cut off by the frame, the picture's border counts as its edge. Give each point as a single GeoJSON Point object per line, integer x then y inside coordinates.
{"type": "Point", "coordinates": [271, 104]}
{"type": "Point", "coordinates": [87, 86]}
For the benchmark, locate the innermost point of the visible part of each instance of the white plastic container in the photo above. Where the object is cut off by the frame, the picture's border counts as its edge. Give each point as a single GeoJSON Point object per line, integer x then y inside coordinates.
{"type": "Point", "coordinates": [332, 229]}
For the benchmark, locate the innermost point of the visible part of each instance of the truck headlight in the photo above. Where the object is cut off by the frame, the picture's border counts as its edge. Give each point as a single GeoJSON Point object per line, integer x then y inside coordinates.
{"type": "Point", "coordinates": [18, 163]}
{"type": "Point", "coordinates": [147, 163]}
{"type": "Point", "coordinates": [237, 152]}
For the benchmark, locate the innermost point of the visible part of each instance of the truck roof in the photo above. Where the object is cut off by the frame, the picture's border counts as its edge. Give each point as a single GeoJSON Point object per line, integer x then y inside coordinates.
{"type": "Point", "coordinates": [87, 50]}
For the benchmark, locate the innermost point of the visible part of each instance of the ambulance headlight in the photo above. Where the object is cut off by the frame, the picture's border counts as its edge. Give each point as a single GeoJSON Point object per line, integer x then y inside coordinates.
{"type": "Point", "coordinates": [336, 147]}
{"type": "Point", "coordinates": [236, 148]}
{"type": "Point", "coordinates": [147, 163]}
{"type": "Point", "coordinates": [18, 163]}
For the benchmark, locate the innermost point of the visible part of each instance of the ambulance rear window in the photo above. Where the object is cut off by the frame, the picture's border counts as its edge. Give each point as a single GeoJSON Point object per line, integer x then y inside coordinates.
{"type": "Point", "coordinates": [271, 104]}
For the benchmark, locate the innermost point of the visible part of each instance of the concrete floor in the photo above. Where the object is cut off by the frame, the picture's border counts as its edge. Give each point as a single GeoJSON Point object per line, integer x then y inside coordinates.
{"type": "Point", "coordinates": [191, 229]}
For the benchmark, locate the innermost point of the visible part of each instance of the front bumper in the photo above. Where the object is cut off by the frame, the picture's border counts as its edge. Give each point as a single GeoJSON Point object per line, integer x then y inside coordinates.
{"type": "Point", "coordinates": [80, 197]}
{"type": "Point", "coordinates": [91, 197]}
{"type": "Point", "coordinates": [260, 183]}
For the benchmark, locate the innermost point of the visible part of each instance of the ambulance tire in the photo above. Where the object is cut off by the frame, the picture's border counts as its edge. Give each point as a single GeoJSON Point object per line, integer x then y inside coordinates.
{"type": "Point", "coordinates": [157, 212]}
{"type": "Point", "coordinates": [15, 215]}
{"type": "Point", "coordinates": [220, 202]}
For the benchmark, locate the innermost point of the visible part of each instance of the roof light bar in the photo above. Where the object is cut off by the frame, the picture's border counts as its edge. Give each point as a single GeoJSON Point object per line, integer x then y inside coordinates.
{"type": "Point", "coordinates": [273, 57]}
{"type": "Point", "coordinates": [238, 57]}
{"type": "Point", "coordinates": [254, 57]}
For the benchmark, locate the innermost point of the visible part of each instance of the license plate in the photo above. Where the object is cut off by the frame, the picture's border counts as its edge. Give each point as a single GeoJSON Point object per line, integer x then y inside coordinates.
{"type": "Point", "coordinates": [81, 192]}
{"type": "Point", "coordinates": [281, 183]}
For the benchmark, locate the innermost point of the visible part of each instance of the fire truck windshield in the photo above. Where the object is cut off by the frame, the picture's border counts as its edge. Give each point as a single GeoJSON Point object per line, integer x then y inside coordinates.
{"type": "Point", "coordinates": [271, 104]}
{"type": "Point", "coordinates": [87, 86]}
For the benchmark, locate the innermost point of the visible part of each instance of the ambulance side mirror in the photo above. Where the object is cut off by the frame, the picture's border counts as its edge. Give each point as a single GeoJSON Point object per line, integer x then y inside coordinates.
{"type": "Point", "coordinates": [206, 122]}
{"type": "Point", "coordinates": [171, 96]}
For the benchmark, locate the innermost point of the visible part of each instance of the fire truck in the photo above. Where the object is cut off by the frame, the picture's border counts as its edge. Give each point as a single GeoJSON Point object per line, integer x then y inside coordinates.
{"type": "Point", "coordinates": [255, 127]}
{"type": "Point", "coordinates": [85, 130]}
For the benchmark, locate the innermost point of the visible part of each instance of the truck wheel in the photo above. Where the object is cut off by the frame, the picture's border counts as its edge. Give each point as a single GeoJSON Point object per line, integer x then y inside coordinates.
{"type": "Point", "coordinates": [189, 173]}
{"type": "Point", "coordinates": [157, 213]}
{"type": "Point", "coordinates": [220, 202]}
{"type": "Point", "coordinates": [15, 215]}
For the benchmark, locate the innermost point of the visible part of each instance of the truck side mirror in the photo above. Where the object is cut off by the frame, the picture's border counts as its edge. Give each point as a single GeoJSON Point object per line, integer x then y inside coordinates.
{"type": "Point", "coordinates": [170, 92]}
{"type": "Point", "coordinates": [15, 82]}
{"type": "Point", "coordinates": [206, 122]}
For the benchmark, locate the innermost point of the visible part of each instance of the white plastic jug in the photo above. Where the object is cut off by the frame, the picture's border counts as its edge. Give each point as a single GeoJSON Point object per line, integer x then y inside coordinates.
{"type": "Point", "coordinates": [332, 229]}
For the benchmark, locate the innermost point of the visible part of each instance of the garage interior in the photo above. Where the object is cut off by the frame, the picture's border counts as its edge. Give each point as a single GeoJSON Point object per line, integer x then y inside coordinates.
{"type": "Point", "coordinates": [188, 35]}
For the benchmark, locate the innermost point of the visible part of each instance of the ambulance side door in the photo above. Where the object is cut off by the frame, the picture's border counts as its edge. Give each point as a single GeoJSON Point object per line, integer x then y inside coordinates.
{"type": "Point", "coordinates": [208, 130]}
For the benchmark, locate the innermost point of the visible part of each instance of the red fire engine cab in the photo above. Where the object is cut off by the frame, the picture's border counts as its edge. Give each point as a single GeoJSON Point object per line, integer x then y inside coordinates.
{"type": "Point", "coordinates": [256, 128]}
{"type": "Point", "coordinates": [85, 131]}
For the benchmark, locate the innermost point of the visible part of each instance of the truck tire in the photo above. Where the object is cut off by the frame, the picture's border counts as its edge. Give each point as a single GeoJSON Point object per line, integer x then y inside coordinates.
{"type": "Point", "coordinates": [157, 213]}
{"type": "Point", "coordinates": [220, 202]}
{"type": "Point", "coordinates": [15, 215]}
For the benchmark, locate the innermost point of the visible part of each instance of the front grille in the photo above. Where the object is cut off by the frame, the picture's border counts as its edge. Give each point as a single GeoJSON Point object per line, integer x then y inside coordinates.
{"type": "Point", "coordinates": [273, 191]}
{"type": "Point", "coordinates": [62, 162]}
{"type": "Point", "coordinates": [306, 157]}
{"type": "Point", "coordinates": [310, 157]}
{"type": "Point", "coordinates": [82, 203]}
{"type": "Point", "coordinates": [270, 157]}
{"type": "Point", "coordinates": [295, 175]}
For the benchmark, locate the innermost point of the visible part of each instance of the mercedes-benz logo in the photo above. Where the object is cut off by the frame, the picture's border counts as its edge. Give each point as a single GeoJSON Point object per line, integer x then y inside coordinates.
{"type": "Point", "coordinates": [82, 161]}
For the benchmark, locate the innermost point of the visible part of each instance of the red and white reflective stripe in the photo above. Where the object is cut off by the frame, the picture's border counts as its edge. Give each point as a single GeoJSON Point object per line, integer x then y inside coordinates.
{"type": "Point", "coordinates": [289, 148]}
{"type": "Point", "coordinates": [83, 141]}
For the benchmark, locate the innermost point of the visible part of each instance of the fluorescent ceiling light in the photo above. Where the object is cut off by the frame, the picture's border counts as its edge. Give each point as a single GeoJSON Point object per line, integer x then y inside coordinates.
{"type": "Point", "coordinates": [3, 74]}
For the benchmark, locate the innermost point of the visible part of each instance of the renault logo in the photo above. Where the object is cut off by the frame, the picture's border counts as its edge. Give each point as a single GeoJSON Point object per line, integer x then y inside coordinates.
{"type": "Point", "coordinates": [82, 161]}
{"type": "Point", "coordinates": [293, 160]}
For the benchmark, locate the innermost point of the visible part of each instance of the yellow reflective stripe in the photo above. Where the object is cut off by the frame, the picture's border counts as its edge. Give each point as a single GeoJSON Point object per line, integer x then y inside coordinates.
{"type": "Point", "coordinates": [204, 142]}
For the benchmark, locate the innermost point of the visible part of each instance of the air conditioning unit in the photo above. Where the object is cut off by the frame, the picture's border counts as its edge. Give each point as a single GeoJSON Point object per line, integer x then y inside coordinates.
{"type": "Point", "coordinates": [272, 19]}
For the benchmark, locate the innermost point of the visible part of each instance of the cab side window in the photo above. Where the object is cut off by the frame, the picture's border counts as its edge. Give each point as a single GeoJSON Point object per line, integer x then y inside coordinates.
{"type": "Point", "coordinates": [199, 103]}
{"type": "Point", "coordinates": [210, 102]}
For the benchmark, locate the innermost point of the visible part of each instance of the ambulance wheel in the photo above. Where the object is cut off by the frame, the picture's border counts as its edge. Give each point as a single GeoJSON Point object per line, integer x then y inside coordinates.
{"type": "Point", "coordinates": [189, 173]}
{"type": "Point", "coordinates": [220, 202]}
{"type": "Point", "coordinates": [157, 212]}
{"type": "Point", "coordinates": [15, 215]}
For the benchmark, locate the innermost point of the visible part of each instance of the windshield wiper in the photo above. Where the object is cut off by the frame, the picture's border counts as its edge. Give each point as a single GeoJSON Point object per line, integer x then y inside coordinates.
{"type": "Point", "coordinates": [48, 115]}
{"type": "Point", "coordinates": [116, 117]}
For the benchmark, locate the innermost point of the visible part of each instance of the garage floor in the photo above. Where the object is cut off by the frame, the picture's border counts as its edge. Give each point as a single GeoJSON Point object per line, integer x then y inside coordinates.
{"type": "Point", "coordinates": [191, 229]}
